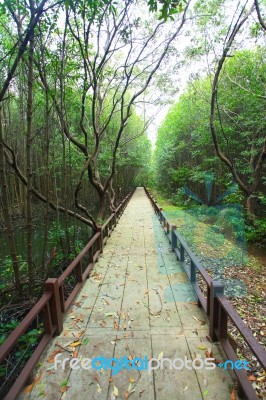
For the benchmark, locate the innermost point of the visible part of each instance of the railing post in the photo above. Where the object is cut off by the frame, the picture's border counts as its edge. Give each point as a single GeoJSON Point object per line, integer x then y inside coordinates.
{"type": "Point", "coordinates": [62, 298]}
{"type": "Point", "coordinates": [48, 325]}
{"type": "Point", "coordinates": [216, 289]}
{"type": "Point", "coordinates": [51, 285]}
{"type": "Point", "coordinates": [78, 270]}
{"type": "Point", "coordinates": [100, 245]}
{"type": "Point", "coordinates": [193, 277]}
{"type": "Point", "coordinates": [222, 323]}
{"type": "Point", "coordinates": [182, 253]}
{"type": "Point", "coordinates": [167, 228]}
{"type": "Point", "coordinates": [173, 238]}
{"type": "Point", "coordinates": [91, 255]}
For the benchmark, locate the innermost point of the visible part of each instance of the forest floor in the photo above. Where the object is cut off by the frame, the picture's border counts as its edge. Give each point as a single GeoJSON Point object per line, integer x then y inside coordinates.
{"type": "Point", "coordinates": [248, 294]}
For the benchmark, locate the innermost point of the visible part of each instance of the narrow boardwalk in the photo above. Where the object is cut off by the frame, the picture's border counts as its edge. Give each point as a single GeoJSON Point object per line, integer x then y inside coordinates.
{"type": "Point", "coordinates": [136, 303]}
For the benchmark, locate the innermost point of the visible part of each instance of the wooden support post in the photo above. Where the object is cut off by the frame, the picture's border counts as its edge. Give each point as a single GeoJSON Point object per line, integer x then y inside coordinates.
{"type": "Point", "coordinates": [173, 238]}
{"type": "Point", "coordinates": [222, 323]}
{"type": "Point", "coordinates": [208, 300]}
{"type": "Point", "coordinates": [62, 298]}
{"type": "Point", "coordinates": [193, 276]}
{"type": "Point", "coordinates": [182, 253]}
{"type": "Point", "coordinates": [100, 240]}
{"type": "Point", "coordinates": [91, 255]}
{"type": "Point", "coordinates": [216, 289]}
{"type": "Point", "coordinates": [78, 271]}
{"type": "Point", "coordinates": [51, 285]}
{"type": "Point", "coordinates": [48, 325]}
{"type": "Point", "coordinates": [160, 215]}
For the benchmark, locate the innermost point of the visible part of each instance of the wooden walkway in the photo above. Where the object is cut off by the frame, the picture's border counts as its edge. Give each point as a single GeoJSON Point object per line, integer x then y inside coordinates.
{"type": "Point", "coordinates": [136, 303]}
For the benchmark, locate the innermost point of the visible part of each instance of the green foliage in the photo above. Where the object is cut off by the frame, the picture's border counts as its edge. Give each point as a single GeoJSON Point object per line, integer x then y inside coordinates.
{"type": "Point", "coordinates": [167, 8]}
{"type": "Point", "coordinates": [6, 272]}
{"type": "Point", "coordinates": [184, 152]}
{"type": "Point", "coordinates": [25, 346]}
{"type": "Point", "coordinates": [256, 232]}
{"type": "Point", "coordinates": [59, 236]}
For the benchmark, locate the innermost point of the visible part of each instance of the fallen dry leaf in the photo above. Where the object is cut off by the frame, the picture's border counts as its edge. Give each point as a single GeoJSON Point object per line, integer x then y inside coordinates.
{"type": "Point", "coordinates": [79, 334]}
{"type": "Point", "coordinates": [63, 389]}
{"type": "Point", "coordinates": [233, 395]}
{"type": "Point", "coordinates": [202, 347]}
{"type": "Point", "coordinates": [75, 344]}
{"type": "Point", "coordinates": [52, 356]}
{"type": "Point", "coordinates": [29, 388]}
{"type": "Point", "coordinates": [99, 389]}
{"type": "Point", "coordinates": [75, 354]}
{"type": "Point", "coordinates": [115, 391]}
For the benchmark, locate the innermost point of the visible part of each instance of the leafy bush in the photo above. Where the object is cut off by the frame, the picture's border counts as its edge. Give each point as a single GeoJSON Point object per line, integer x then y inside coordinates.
{"type": "Point", "coordinates": [25, 345]}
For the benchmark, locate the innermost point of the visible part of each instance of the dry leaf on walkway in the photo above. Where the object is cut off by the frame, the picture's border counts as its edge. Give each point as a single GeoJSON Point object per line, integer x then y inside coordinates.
{"type": "Point", "coordinates": [202, 322]}
{"type": "Point", "coordinates": [251, 378]}
{"type": "Point", "coordinates": [52, 356]}
{"type": "Point", "coordinates": [79, 334]}
{"type": "Point", "coordinates": [75, 354]}
{"type": "Point", "coordinates": [99, 389]}
{"type": "Point", "coordinates": [132, 380]}
{"type": "Point", "coordinates": [29, 388]}
{"type": "Point", "coordinates": [233, 395]}
{"type": "Point", "coordinates": [115, 391]}
{"type": "Point", "coordinates": [160, 355]}
{"type": "Point", "coordinates": [63, 386]}
{"type": "Point", "coordinates": [63, 389]}
{"type": "Point", "coordinates": [202, 347]}
{"type": "Point", "coordinates": [75, 344]}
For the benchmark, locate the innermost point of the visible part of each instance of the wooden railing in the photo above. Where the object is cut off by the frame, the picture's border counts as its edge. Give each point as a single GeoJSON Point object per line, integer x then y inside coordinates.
{"type": "Point", "coordinates": [217, 307]}
{"type": "Point", "coordinates": [53, 303]}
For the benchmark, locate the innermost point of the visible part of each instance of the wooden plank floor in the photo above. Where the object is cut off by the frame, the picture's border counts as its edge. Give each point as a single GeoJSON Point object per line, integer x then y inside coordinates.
{"type": "Point", "coordinates": [136, 303]}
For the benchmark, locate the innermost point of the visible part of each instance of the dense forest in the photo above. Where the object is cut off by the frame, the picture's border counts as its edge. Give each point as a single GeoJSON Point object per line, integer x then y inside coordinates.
{"type": "Point", "coordinates": [100, 96]}
{"type": "Point", "coordinates": [81, 88]}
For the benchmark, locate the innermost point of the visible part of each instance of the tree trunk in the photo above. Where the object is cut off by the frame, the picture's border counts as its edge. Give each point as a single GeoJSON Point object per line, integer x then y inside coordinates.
{"type": "Point", "coordinates": [29, 165]}
{"type": "Point", "coordinates": [7, 216]}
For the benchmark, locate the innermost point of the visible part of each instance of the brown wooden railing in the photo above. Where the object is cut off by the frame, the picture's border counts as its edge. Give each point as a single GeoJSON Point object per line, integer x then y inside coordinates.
{"type": "Point", "coordinates": [53, 303]}
{"type": "Point", "coordinates": [217, 307]}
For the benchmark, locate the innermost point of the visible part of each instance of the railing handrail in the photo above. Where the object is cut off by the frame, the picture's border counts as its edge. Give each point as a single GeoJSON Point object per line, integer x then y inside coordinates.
{"type": "Point", "coordinates": [216, 306]}
{"type": "Point", "coordinates": [192, 256]}
{"type": "Point", "coordinates": [53, 303]}
{"type": "Point", "coordinates": [12, 339]}
{"type": "Point", "coordinates": [76, 260]}
{"type": "Point", "coordinates": [256, 348]}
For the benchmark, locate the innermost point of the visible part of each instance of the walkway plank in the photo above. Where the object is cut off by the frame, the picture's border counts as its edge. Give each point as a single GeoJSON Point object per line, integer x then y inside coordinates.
{"type": "Point", "coordinates": [136, 303]}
